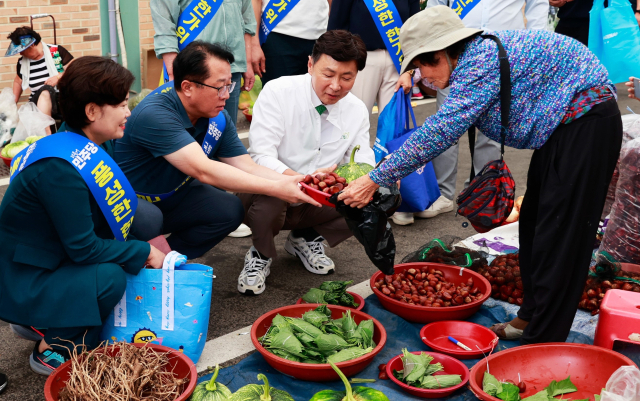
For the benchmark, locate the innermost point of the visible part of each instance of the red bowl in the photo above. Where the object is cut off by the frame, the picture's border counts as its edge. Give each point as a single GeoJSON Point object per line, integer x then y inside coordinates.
{"type": "Point", "coordinates": [248, 116]}
{"type": "Point", "coordinates": [6, 161]}
{"type": "Point", "coordinates": [179, 363]}
{"type": "Point", "coordinates": [423, 314]}
{"type": "Point", "coordinates": [589, 367]}
{"type": "Point", "coordinates": [477, 337]}
{"type": "Point", "coordinates": [316, 372]}
{"type": "Point", "coordinates": [319, 196]}
{"type": "Point", "coordinates": [359, 300]}
{"type": "Point", "coordinates": [451, 366]}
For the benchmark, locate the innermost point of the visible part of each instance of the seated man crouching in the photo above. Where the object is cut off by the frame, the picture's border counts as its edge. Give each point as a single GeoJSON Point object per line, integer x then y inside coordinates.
{"type": "Point", "coordinates": [303, 125]}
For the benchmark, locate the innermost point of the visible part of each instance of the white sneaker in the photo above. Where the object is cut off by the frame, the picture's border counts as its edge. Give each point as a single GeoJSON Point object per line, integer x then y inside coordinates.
{"type": "Point", "coordinates": [402, 218]}
{"type": "Point", "coordinates": [242, 231]}
{"type": "Point", "coordinates": [310, 253]}
{"type": "Point", "coordinates": [441, 205]}
{"type": "Point", "coordinates": [254, 273]}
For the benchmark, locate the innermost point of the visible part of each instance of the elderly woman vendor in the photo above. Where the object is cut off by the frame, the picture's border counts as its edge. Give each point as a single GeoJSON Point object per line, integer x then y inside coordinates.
{"type": "Point", "coordinates": [60, 266]}
{"type": "Point", "coordinates": [562, 105]}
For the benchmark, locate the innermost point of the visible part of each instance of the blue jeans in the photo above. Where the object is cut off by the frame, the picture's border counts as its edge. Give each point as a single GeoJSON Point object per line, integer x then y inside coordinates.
{"type": "Point", "coordinates": [232, 103]}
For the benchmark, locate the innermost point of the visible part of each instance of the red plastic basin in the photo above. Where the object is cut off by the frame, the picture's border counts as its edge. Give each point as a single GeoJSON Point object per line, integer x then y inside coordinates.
{"type": "Point", "coordinates": [423, 314]}
{"type": "Point", "coordinates": [319, 196]}
{"type": "Point", "coordinates": [316, 372]}
{"type": "Point", "coordinates": [179, 363]}
{"type": "Point", "coordinates": [6, 161]}
{"type": "Point", "coordinates": [477, 337]}
{"type": "Point", "coordinates": [358, 299]}
{"type": "Point", "coordinates": [451, 367]}
{"type": "Point", "coordinates": [589, 367]}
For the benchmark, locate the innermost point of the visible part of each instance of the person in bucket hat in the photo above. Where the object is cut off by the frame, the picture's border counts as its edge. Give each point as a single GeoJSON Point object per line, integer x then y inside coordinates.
{"type": "Point", "coordinates": [563, 105]}
{"type": "Point", "coordinates": [39, 69]}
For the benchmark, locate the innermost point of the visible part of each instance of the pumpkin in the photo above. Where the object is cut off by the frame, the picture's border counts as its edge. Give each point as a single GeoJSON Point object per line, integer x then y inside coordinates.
{"type": "Point", "coordinates": [352, 170]}
{"type": "Point", "coordinates": [356, 394]}
{"type": "Point", "coordinates": [257, 392]}
{"type": "Point", "coordinates": [210, 390]}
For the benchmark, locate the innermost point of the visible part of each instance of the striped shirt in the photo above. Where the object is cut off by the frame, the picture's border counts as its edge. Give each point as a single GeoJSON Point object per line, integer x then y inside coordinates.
{"type": "Point", "coordinates": [38, 72]}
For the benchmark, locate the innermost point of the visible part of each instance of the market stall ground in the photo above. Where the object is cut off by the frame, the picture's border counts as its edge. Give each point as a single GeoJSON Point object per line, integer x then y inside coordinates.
{"type": "Point", "coordinates": [231, 311]}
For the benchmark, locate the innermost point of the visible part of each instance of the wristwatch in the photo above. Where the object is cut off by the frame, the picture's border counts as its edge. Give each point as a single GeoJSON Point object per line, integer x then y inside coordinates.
{"type": "Point", "coordinates": [410, 72]}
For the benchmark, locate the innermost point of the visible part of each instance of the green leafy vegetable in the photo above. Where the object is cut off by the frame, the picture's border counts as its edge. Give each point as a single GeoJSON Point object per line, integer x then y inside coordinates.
{"type": "Point", "coordinates": [330, 342]}
{"type": "Point", "coordinates": [440, 381]}
{"type": "Point", "coordinates": [347, 299]}
{"type": "Point", "coordinates": [414, 366]}
{"type": "Point", "coordinates": [12, 149]}
{"type": "Point", "coordinates": [510, 392]}
{"type": "Point", "coordinates": [301, 326]}
{"type": "Point", "coordinates": [348, 354]}
{"type": "Point", "coordinates": [562, 387]}
{"type": "Point", "coordinates": [314, 296]}
{"type": "Point", "coordinates": [539, 396]}
{"type": "Point", "coordinates": [491, 385]}
{"type": "Point", "coordinates": [315, 318]}
{"type": "Point", "coordinates": [33, 138]}
{"type": "Point", "coordinates": [335, 286]}
{"type": "Point", "coordinates": [433, 368]}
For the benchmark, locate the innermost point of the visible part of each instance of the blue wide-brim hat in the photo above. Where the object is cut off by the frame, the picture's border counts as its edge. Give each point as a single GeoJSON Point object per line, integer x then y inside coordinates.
{"type": "Point", "coordinates": [25, 42]}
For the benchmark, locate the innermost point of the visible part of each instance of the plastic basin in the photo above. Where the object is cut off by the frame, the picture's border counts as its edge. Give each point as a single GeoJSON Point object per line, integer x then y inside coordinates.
{"type": "Point", "coordinates": [248, 116]}
{"type": "Point", "coordinates": [451, 367]}
{"type": "Point", "coordinates": [316, 372]}
{"type": "Point", "coordinates": [589, 367]}
{"type": "Point", "coordinates": [6, 161]}
{"type": "Point", "coordinates": [359, 300]}
{"type": "Point", "coordinates": [423, 314]}
{"type": "Point", "coordinates": [319, 196]}
{"type": "Point", "coordinates": [179, 363]}
{"type": "Point", "coordinates": [477, 337]}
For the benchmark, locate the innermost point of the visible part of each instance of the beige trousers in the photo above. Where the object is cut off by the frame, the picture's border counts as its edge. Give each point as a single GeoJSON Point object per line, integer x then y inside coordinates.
{"type": "Point", "coordinates": [377, 82]}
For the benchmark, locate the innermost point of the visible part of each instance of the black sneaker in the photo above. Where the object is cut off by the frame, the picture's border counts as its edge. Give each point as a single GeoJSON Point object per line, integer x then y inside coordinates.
{"type": "Point", "coordinates": [28, 332]}
{"type": "Point", "coordinates": [44, 363]}
{"type": "Point", "coordinates": [3, 382]}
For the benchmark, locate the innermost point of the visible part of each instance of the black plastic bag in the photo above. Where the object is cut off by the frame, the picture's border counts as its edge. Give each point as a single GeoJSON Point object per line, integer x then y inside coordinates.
{"type": "Point", "coordinates": [370, 226]}
{"type": "Point", "coordinates": [442, 250]}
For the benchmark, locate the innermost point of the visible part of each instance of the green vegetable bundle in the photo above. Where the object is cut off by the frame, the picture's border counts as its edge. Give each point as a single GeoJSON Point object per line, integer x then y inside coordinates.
{"type": "Point", "coordinates": [510, 392]}
{"type": "Point", "coordinates": [331, 292]}
{"type": "Point", "coordinates": [13, 149]}
{"type": "Point", "coordinates": [316, 338]}
{"type": "Point", "coordinates": [417, 371]}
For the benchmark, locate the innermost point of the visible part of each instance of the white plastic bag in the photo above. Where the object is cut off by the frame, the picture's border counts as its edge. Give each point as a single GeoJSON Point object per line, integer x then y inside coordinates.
{"type": "Point", "coordinates": [623, 385]}
{"type": "Point", "coordinates": [8, 115]}
{"type": "Point", "coordinates": [32, 122]}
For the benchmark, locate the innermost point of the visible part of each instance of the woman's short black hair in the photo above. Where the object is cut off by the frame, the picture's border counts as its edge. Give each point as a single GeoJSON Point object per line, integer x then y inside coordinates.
{"type": "Point", "coordinates": [191, 62]}
{"type": "Point", "coordinates": [454, 51]}
{"type": "Point", "coordinates": [24, 31]}
{"type": "Point", "coordinates": [91, 79]}
{"type": "Point", "coordinates": [341, 46]}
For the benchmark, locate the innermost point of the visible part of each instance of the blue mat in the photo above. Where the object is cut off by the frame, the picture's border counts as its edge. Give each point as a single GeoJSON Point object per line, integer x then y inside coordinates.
{"type": "Point", "coordinates": [400, 334]}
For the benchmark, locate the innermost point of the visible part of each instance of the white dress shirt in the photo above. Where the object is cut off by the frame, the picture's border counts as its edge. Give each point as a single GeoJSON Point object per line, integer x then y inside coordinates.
{"type": "Point", "coordinates": [499, 15]}
{"type": "Point", "coordinates": [307, 20]}
{"type": "Point", "coordinates": [288, 133]}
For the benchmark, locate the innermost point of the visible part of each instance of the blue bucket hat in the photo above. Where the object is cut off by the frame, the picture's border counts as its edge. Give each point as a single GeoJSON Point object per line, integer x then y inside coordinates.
{"type": "Point", "coordinates": [25, 42]}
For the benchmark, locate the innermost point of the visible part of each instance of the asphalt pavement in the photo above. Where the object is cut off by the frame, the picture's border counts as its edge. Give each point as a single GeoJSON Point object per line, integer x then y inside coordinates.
{"type": "Point", "coordinates": [231, 310]}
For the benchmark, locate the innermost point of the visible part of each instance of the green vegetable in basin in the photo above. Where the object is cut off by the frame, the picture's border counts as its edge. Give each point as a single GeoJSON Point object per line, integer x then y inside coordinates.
{"type": "Point", "coordinates": [359, 393]}
{"type": "Point", "coordinates": [210, 390]}
{"type": "Point", "coordinates": [13, 149]}
{"type": "Point", "coordinates": [32, 139]}
{"type": "Point", "coordinates": [257, 392]}
{"type": "Point", "coordinates": [352, 170]}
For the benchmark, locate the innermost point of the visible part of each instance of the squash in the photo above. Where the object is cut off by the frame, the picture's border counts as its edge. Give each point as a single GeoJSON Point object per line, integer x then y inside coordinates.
{"type": "Point", "coordinates": [210, 390]}
{"type": "Point", "coordinates": [352, 170]}
{"type": "Point", "coordinates": [356, 394]}
{"type": "Point", "coordinates": [257, 392]}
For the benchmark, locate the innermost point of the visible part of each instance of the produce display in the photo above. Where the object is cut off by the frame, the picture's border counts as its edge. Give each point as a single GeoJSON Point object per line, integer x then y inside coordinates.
{"type": "Point", "coordinates": [509, 391]}
{"type": "Point", "coordinates": [427, 287]}
{"type": "Point", "coordinates": [352, 170]}
{"type": "Point", "coordinates": [134, 101]}
{"type": "Point", "coordinates": [359, 393]}
{"type": "Point", "coordinates": [211, 390]}
{"type": "Point", "coordinates": [504, 276]}
{"type": "Point", "coordinates": [13, 149]}
{"type": "Point", "coordinates": [331, 292]}
{"type": "Point", "coordinates": [330, 183]}
{"type": "Point", "coordinates": [131, 373]}
{"type": "Point", "coordinates": [32, 139]}
{"type": "Point", "coordinates": [418, 371]}
{"type": "Point", "coordinates": [257, 392]}
{"type": "Point", "coordinates": [316, 338]}
{"type": "Point", "coordinates": [442, 250]}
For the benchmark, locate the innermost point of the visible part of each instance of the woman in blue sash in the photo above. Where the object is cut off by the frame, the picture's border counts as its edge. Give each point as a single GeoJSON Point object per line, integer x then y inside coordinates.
{"type": "Point", "coordinates": [60, 266]}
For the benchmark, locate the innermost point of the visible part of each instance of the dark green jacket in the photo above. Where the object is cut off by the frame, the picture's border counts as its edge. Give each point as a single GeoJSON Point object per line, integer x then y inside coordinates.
{"type": "Point", "coordinates": [52, 237]}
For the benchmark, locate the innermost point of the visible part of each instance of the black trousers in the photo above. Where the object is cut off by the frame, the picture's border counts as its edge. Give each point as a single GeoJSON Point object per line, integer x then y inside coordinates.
{"type": "Point", "coordinates": [578, 32]}
{"type": "Point", "coordinates": [566, 189]}
{"type": "Point", "coordinates": [198, 217]}
{"type": "Point", "coordinates": [285, 55]}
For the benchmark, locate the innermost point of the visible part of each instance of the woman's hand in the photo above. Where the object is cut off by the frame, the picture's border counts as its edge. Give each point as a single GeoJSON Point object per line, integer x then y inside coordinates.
{"type": "Point", "coordinates": [155, 259]}
{"type": "Point", "coordinates": [359, 192]}
{"type": "Point", "coordinates": [405, 82]}
{"type": "Point", "coordinates": [631, 90]}
{"type": "Point", "coordinates": [53, 81]}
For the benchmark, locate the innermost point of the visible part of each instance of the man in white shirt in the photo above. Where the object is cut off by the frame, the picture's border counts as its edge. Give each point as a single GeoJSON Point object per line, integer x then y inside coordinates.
{"type": "Point", "coordinates": [302, 125]}
{"type": "Point", "coordinates": [489, 15]}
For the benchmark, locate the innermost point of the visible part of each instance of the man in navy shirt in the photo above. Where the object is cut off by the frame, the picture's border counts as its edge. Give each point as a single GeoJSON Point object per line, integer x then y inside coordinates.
{"type": "Point", "coordinates": [182, 190]}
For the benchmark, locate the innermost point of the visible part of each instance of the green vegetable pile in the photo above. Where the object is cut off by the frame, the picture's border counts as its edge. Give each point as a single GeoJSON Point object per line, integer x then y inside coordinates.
{"type": "Point", "coordinates": [13, 149]}
{"type": "Point", "coordinates": [315, 338]}
{"type": "Point", "coordinates": [352, 170]}
{"type": "Point", "coordinates": [331, 292]}
{"type": "Point", "coordinates": [417, 371]}
{"type": "Point", "coordinates": [510, 392]}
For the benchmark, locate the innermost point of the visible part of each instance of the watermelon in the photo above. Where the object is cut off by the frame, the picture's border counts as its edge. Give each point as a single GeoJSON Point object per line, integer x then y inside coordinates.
{"type": "Point", "coordinates": [352, 170]}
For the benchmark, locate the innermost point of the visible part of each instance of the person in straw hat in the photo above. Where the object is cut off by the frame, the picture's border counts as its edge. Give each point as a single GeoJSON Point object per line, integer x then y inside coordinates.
{"type": "Point", "coordinates": [563, 105]}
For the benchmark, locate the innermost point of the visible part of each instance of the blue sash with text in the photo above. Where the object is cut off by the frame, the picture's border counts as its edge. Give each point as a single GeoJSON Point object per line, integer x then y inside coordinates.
{"type": "Point", "coordinates": [462, 7]}
{"type": "Point", "coordinates": [107, 183]}
{"type": "Point", "coordinates": [388, 21]}
{"type": "Point", "coordinates": [275, 11]}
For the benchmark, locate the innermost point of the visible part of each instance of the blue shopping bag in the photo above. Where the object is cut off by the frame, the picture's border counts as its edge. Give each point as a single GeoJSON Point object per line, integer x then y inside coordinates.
{"type": "Point", "coordinates": [148, 312]}
{"type": "Point", "coordinates": [614, 37]}
{"type": "Point", "coordinates": [419, 189]}
{"type": "Point", "coordinates": [388, 125]}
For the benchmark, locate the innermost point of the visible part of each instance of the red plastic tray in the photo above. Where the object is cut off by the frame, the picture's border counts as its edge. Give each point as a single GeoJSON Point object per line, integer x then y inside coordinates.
{"type": "Point", "coordinates": [359, 300]}
{"type": "Point", "coordinates": [474, 336]}
{"type": "Point", "coordinates": [589, 367]}
{"type": "Point", "coordinates": [319, 196]}
{"type": "Point", "coordinates": [423, 314]}
{"type": "Point", "coordinates": [312, 372]}
{"type": "Point", "coordinates": [451, 367]}
{"type": "Point", "coordinates": [179, 363]}
{"type": "Point", "coordinates": [6, 161]}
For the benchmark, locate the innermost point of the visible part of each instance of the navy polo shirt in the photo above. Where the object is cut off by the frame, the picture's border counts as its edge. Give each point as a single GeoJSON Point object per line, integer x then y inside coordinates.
{"type": "Point", "coordinates": [159, 126]}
